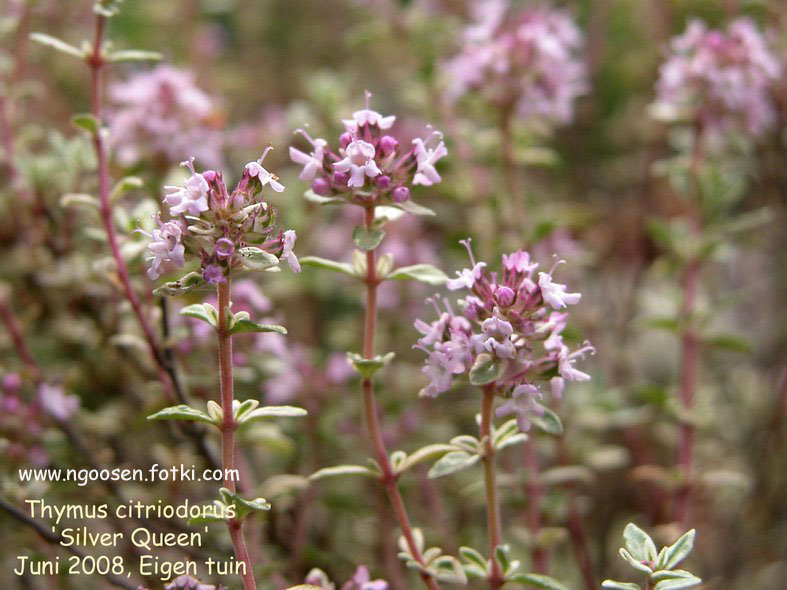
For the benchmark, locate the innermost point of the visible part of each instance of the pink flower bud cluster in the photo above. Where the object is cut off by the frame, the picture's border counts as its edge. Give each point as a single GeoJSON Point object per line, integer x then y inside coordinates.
{"type": "Point", "coordinates": [515, 319]}
{"type": "Point", "coordinates": [369, 158]}
{"type": "Point", "coordinates": [214, 225]}
{"type": "Point", "coordinates": [719, 80]}
{"type": "Point", "coordinates": [161, 114]}
{"type": "Point", "coordinates": [527, 60]}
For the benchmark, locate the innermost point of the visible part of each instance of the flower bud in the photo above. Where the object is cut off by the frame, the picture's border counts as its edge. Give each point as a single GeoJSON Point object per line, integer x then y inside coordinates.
{"type": "Point", "coordinates": [504, 296]}
{"type": "Point", "coordinates": [382, 181]}
{"type": "Point", "coordinates": [225, 248]}
{"type": "Point", "coordinates": [388, 144]}
{"type": "Point", "coordinates": [345, 139]}
{"type": "Point", "coordinates": [321, 187]}
{"type": "Point", "coordinates": [341, 178]}
{"type": "Point", "coordinates": [400, 194]}
{"type": "Point", "coordinates": [210, 175]}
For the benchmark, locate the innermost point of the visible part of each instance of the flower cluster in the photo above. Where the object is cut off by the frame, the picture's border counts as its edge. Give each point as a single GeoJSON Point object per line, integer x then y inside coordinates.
{"type": "Point", "coordinates": [160, 115]}
{"type": "Point", "coordinates": [369, 158]}
{"type": "Point", "coordinates": [527, 60]}
{"type": "Point", "coordinates": [507, 335]}
{"type": "Point", "coordinates": [719, 80]}
{"type": "Point", "coordinates": [360, 580]}
{"type": "Point", "coordinates": [226, 231]}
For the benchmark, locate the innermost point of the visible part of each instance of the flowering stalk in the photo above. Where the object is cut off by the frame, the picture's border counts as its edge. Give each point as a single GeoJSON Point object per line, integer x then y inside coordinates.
{"type": "Point", "coordinates": [96, 62]}
{"type": "Point", "coordinates": [229, 426]}
{"type": "Point", "coordinates": [494, 533]}
{"type": "Point", "coordinates": [372, 168]}
{"type": "Point", "coordinates": [389, 477]}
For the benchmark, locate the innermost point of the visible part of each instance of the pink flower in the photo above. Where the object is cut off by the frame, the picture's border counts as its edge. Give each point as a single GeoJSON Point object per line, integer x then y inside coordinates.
{"type": "Point", "coordinates": [719, 79]}
{"type": "Point", "coordinates": [54, 401]}
{"type": "Point", "coordinates": [166, 246]}
{"type": "Point", "coordinates": [192, 197]}
{"type": "Point", "coordinates": [555, 293]}
{"type": "Point", "coordinates": [426, 157]}
{"type": "Point", "coordinates": [361, 581]}
{"type": "Point", "coordinates": [523, 403]}
{"type": "Point", "coordinates": [313, 162]}
{"type": "Point", "coordinates": [288, 242]}
{"type": "Point", "coordinates": [255, 170]}
{"type": "Point", "coordinates": [359, 162]}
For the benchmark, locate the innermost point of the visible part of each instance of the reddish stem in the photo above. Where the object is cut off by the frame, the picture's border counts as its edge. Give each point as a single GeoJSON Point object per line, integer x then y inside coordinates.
{"type": "Point", "coordinates": [490, 484]}
{"type": "Point", "coordinates": [96, 63]}
{"type": "Point", "coordinates": [389, 477]}
{"type": "Point", "coordinates": [228, 427]}
{"type": "Point", "coordinates": [18, 338]}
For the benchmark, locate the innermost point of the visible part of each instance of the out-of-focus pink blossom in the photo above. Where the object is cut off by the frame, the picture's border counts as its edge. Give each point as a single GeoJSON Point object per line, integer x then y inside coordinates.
{"type": "Point", "coordinates": [719, 80]}
{"type": "Point", "coordinates": [55, 402]}
{"type": "Point", "coordinates": [162, 114]}
{"type": "Point", "coordinates": [528, 60]}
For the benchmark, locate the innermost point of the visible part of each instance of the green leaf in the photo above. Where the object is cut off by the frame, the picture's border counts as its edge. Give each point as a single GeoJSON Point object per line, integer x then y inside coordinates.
{"type": "Point", "coordinates": [80, 200]}
{"type": "Point", "coordinates": [447, 568]}
{"type": "Point", "coordinates": [243, 507]}
{"type": "Point", "coordinates": [502, 556]}
{"type": "Point", "coordinates": [310, 195]}
{"type": "Point", "coordinates": [340, 470]}
{"type": "Point", "coordinates": [635, 563]}
{"type": "Point", "coordinates": [678, 551]}
{"type": "Point", "coordinates": [426, 273]}
{"type": "Point", "coordinates": [733, 342]}
{"type": "Point", "coordinates": [670, 575]}
{"type": "Point", "coordinates": [367, 238]}
{"type": "Point", "coordinates": [410, 206]}
{"type": "Point", "coordinates": [639, 543]}
{"type": "Point", "coordinates": [614, 585]}
{"type": "Point", "coordinates": [272, 412]}
{"type": "Point", "coordinates": [243, 326]}
{"type": "Point", "coordinates": [218, 512]}
{"type": "Point", "coordinates": [58, 44]}
{"type": "Point", "coordinates": [424, 454]}
{"type": "Point", "coordinates": [538, 581]}
{"type": "Point", "coordinates": [256, 259]}
{"type": "Point", "coordinates": [87, 122]}
{"type": "Point", "coordinates": [678, 583]}
{"type": "Point", "coordinates": [486, 369]}
{"type": "Point", "coordinates": [549, 422]}
{"type": "Point", "coordinates": [474, 558]}
{"type": "Point", "coordinates": [451, 463]}
{"type": "Point", "coordinates": [185, 284]}
{"type": "Point", "coordinates": [182, 412]}
{"type": "Point", "coordinates": [134, 55]}
{"type": "Point", "coordinates": [368, 367]}
{"type": "Point", "coordinates": [202, 311]}
{"type": "Point", "coordinates": [124, 185]}
{"type": "Point", "coordinates": [333, 265]}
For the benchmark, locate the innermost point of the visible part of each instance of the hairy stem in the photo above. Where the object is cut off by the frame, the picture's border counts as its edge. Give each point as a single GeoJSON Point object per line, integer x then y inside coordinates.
{"type": "Point", "coordinates": [389, 478]}
{"type": "Point", "coordinates": [228, 427]}
{"type": "Point", "coordinates": [490, 486]}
